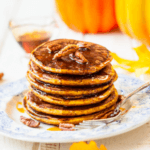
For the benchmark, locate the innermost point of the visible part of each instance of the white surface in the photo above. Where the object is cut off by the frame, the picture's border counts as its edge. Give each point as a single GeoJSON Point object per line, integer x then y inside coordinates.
{"type": "Point", "coordinates": [10, 55]}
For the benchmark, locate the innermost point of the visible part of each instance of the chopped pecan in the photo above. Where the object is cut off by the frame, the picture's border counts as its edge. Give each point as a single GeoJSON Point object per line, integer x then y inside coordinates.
{"type": "Point", "coordinates": [66, 127]}
{"type": "Point", "coordinates": [83, 46]}
{"type": "Point", "coordinates": [66, 51]}
{"type": "Point", "coordinates": [1, 75]}
{"type": "Point", "coordinates": [52, 48]}
{"type": "Point", "coordinates": [97, 61]}
{"type": "Point", "coordinates": [79, 55]}
{"type": "Point", "coordinates": [55, 47]}
{"type": "Point", "coordinates": [29, 122]}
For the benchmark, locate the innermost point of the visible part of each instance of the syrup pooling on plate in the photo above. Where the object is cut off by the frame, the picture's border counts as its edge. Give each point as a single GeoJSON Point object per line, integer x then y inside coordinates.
{"type": "Point", "coordinates": [20, 109]}
{"type": "Point", "coordinates": [54, 129]}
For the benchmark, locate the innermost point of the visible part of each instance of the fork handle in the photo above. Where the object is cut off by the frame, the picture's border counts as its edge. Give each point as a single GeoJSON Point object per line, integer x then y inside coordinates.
{"type": "Point", "coordinates": [136, 91]}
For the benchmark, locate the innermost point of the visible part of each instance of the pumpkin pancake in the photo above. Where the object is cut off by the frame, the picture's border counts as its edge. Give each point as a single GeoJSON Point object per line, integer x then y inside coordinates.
{"type": "Point", "coordinates": [70, 81]}
{"type": "Point", "coordinates": [96, 56]}
{"type": "Point", "coordinates": [67, 97]}
{"type": "Point", "coordinates": [56, 120]}
{"type": "Point", "coordinates": [103, 76]}
{"type": "Point", "coordinates": [66, 90]}
{"type": "Point", "coordinates": [58, 100]}
{"type": "Point", "coordinates": [40, 106]}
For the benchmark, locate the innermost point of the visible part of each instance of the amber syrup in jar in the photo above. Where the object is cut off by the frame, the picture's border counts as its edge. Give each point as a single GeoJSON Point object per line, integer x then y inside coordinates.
{"type": "Point", "coordinates": [30, 40]}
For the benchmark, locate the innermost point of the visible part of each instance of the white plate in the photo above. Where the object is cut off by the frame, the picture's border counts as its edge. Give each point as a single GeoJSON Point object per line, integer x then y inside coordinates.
{"type": "Point", "coordinates": [10, 125]}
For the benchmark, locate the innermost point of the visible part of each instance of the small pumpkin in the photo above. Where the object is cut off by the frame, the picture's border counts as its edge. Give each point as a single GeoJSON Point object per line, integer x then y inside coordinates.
{"type": "Point", "coordinates": [87, 16]}
{"type": "Point", "coordinates": [133, 17]}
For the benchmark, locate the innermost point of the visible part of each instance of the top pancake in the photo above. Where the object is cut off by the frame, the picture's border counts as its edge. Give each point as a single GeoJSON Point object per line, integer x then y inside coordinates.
{"type": "Point", "coordinates": [97, 56]}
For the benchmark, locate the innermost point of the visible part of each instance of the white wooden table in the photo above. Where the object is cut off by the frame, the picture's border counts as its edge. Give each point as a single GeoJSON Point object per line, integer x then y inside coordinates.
{"type": "Point", "coordinates": [10, 54]}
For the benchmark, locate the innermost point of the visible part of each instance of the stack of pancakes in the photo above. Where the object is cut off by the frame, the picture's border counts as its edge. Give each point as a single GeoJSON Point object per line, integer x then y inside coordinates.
{"type": "Point", "coordinates": [64, 88]}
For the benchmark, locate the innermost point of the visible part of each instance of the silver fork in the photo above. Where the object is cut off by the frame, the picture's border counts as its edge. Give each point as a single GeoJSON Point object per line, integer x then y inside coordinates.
{"type": "Point", "coordinates": [90, 124]}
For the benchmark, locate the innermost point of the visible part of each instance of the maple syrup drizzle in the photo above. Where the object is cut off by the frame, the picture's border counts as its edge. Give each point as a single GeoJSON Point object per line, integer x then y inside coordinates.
{"type": "Point", "coordinates": [122, 109]}
{"type": "Point", "coordinates": [133, 106]}
{"type": "Point", "coordinates": [54, 129]}
{"type": "Point", "coordinates": [21, 110]}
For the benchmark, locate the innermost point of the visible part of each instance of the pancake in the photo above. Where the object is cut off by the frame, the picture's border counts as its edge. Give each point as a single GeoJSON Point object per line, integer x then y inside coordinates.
{"type": "Point", "coordinates": [58, 100]}
{"type": "Point", "coordinates": [98, 57]}
{"type": "Point", "coordinates": [66, 90]}
{"type": "Point", "coordinates": [40, 106]}
{"type": "Point", "coordinates": [70, 81]}
{"type": "Point", "coordinates": [103, 76]}
{"type": "Point", "coordinates": [56, 120]}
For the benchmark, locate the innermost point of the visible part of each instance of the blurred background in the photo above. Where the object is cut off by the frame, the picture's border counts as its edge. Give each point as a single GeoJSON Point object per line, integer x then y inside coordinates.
{"type": "Point", "coordinates": [118, 25]}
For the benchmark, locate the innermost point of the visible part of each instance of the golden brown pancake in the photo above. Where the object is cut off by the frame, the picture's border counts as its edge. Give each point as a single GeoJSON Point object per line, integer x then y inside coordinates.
{"type": "Point", "coordinates": [66, 90]}
{"type": "Point", "coordinates": [98, 57]}
{"type": "Point", "coordinates": [40, 106]}
{"type": "Point", "coordinates": [103, 76]}
{"type": "Point", "coordinates": [70, 81]}
{"type": "Point", "coordinates": [56, 120]}
{"type": "Point", "coordinates": [58, 100]}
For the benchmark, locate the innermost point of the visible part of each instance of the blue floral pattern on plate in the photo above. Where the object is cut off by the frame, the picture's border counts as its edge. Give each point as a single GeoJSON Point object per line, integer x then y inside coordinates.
{"type": "Point", "coordinates": [134, 118]}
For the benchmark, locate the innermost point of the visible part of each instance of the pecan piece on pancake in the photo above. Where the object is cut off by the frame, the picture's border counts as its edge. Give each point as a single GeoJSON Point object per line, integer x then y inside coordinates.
{"type": "Point", "coordinates": [66, 127]}
{"type": "Point", "coordinates": [29, 122]}
{"type": "Point", "coordinates": [54, 47]}
{"type": "Point", "coordinates": [83, 46]}
{"type": "Point", "coordinates": [1, 75]}
{"type": "Point", "coordinates": [78, 57]}
{"type": "Point", "coordinates": [71, 48]}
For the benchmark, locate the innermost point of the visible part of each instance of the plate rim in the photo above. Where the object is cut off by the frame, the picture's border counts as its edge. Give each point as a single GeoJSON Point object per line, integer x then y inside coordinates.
{"type": "Point", "coordinates": [23, 138]}
{"type": "Point", "coordinates": [71, 141]}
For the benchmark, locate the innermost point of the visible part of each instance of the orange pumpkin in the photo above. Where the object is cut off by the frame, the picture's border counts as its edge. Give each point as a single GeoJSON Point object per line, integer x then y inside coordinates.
{"type": "Point", "coordinates": [87, 16]}
{"type": "Point", "coordinates": [133, 17]}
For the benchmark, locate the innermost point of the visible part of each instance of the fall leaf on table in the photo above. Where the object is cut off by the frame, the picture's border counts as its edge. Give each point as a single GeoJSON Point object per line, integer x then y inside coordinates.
{"type": "Point", "coordinates": [84, 146]}
{"type": "Point", "coordinates": [140, 66]}
{"type": "Point", "coordinates": [102, 147]}
{"type": "Point", "coordinates": [1, 75]}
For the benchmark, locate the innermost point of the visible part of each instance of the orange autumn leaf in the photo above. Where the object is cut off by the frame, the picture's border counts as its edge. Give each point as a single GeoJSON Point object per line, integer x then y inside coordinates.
{"type": "Point", "coordinates": [79, 146]}
{"type": "Point", "coordinates": [84, 146]}
{"type": "Point", "coordinates": [140, 66]}
{"type": "Point", "coordinates": [93, 145]}
{"type": "Point", "coordinates": [102, 147]}
{"type": "Point", "coordinates": [140, 71]}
